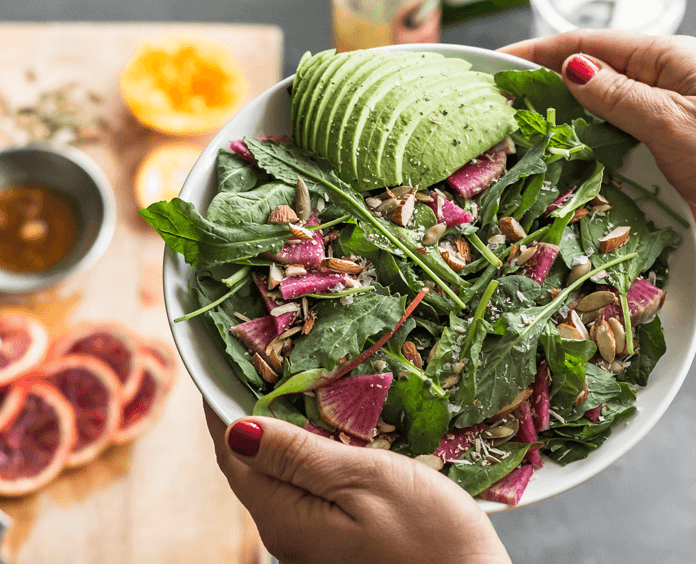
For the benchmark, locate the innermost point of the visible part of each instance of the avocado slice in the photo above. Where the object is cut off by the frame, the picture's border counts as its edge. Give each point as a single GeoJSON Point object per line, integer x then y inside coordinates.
{"type": "Point", "coordinates": [318, 87]}
{"type": "Point", "coordinates": [299, 73]}
{"type": "Point", "coordinates": [332, 90]}
{"type": "Point", "coordinates": [399, 106]}
{"type": "Point", "coordinates": [299, 86]}
{"type": "Point", "coordinates": [460, 128]}
{"type": "Point", "coordinates": [388, 77]}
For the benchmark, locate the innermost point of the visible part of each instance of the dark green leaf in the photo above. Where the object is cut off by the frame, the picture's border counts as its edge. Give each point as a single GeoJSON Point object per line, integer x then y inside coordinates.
{"type": "Point", "coordinates": [229, 208]}
{"type": "Point", "coordinates": [235, 174]}
{"type": "Point", "coordinates": [651, 346]}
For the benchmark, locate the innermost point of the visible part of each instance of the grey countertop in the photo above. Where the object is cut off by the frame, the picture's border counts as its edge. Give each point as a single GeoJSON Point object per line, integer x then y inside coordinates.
{"type": "Point", "coordinates": [642, 509]}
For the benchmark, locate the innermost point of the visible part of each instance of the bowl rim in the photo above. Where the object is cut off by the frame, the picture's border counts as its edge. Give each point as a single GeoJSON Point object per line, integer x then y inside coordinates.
{"type": "Point", "coordinates": [20, 283]}
{"type": "Point", "coordinates": [513, 62]}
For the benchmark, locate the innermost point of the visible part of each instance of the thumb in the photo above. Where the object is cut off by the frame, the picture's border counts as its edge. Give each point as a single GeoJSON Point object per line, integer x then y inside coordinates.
{"type": "Point", "coordinates": [641, 110]}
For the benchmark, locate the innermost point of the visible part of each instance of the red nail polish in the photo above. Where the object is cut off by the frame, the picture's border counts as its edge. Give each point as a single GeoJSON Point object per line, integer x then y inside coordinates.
{"type": "Point", "coordinates": [245, 438]}
{"type": "Point", "coordinates": [580, 69]}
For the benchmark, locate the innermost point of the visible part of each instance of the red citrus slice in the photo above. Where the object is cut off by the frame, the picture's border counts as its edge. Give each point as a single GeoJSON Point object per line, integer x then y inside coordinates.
{"type": "Point", "coordinates": [140, 412]}
{"type": "Point", "coordinates": [164, 355]}
{"type": "Point", "coordinates": [11, 401]}
{"type": "Point", "coordinates": [94, 392]}
{"type": "Point", "coordinates": [111, 343]}
{"type": "Point", "coordinates": [35, 446]}
{"type": "Point", "coordinates": [23, 344]}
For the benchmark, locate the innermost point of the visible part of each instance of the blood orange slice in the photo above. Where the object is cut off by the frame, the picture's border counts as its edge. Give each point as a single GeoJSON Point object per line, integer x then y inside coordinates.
{"type": "Point", "coordinates": [11, 401]}
{"type": "Point", "coordinates": [35, 446]}
{"type": "Point", "coordinates": [140, 412]}
{"type": "Point", "coordinates": [94, 392]}
{"type": "Point", "coordinates": [111, 343]}
{"type": "Point", "coordinates": [23, 344]}
{"type": "Point", "coordinates": [163, 354]}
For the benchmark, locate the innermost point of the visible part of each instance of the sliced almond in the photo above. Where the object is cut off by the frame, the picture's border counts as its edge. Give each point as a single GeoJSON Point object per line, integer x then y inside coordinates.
{"type": "Point", "coordinates": [300, 232]}
{"type": "Point", "coordinates": [404, 211]}
{"type": "Point", "coordinates": [599, 200]}
{"type": "Point", "coordinates": [578, 271]}
{"type": "Point", "coordinates": [408, 349]}
{"type": "Point", "coordinates": [463, 248]}
{"type": "Point", "coordinates": [614, 239]}
{"type": "Point", "coordinates": [295, 270]}
{"type": "Point", "coordinates": [289, 307]}
{"type": "Point", "coordinates": [578, 215]}
{"type": "Point", "coordinates": [431, 460]}
{"type": "Point", "coordinates": [602, 208]}
{"type": "Point", "coordinates": [341, 265]}
{"type": "Point", "coordinates": [595, 300]}
{"type": "Point", "coordinates": [422, 251]}
{"type": "Point", "coordinates": [453, 261]}
{"type": "Point", "coordinates": [606, 344]}
{"type": "Point", "coordinates": [569, 332]}
{"type": "Point", "coordinates": [433, 234]}
{"type": "Point", "coordinates": [275, 276]}
{"type": "Point", "coordinates": [283, 215]}
{"type": "Point", "coordinates": [525, 255]}
{"type": "Point", "coordinates": [264, 370]}
{"type": "Point", "coordinates": [379, 443]}
{"type": "Point", "coordinates": [582, 394]}
{"type": "Point", "coordinates": [451, 380]}
{"type": "Point", "coordinates": [512, 229]}
{"type": "Point", "coordinates": [287, 348]}
{"type": "Point", "coordinates": [303, 204]}
{"type": "Point", "coordinates": [276, 361]}
{"type": "Point", "coordinates": [575, 321]}
{"type": "Point", "coordinates": [597, 278]}
{"type": "Point", "coordinates": [432, 353]}
{"type": "Point", "coordinates": [518, 400]}
{"type": "Point", "coordinates": [619, 335]}
{"type": "Point", "coordinates": [307, 326]}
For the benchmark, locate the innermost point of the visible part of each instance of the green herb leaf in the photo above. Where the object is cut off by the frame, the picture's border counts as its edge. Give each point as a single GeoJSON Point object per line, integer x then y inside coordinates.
{"type": "Point", "coordinates": [651, 346]}
{"type": "Point", "coordinates": [230, 208]}
{"type": "Point", "coordinates": [235, 174]}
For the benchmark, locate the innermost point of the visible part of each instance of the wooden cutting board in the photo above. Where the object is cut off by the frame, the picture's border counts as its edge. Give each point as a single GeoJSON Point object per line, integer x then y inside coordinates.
{"type": "Point", "coordinates": [161, 499]}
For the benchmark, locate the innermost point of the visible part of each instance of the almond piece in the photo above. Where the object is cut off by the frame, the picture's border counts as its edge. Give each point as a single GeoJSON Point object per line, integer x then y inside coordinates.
{"type": "Point", "coordinates": [575, 321]}
{"type": "Point", "coordinates": [289, 307]}
{"type": "Point", "coordinates": [615, 239]}
{"type": "Point", "coordinates": [578, 215]}
{"type": "Point", "coordinates": [275, 276]}
{"type": "Point", "coordinates": [283, 215]}
{"type": "Point", "coordinates": [451, 380]}
{"type": "Point", "coordinates": [303, 204]}
{"type": "Point", "coordinates": [422, 251]}
{"type": "Point", "coordinates": [264, 370]}
{"type": "Point", "coordinates": [307, 326]}
{"type": "Point", "coordinates": [294, 270]}
{"type": "Point", "coordinates": [341, 265]}
{"type": "Point", "coordinates": [605, 207]}
{"type": "Point", "coordinates": [599, 200]}
{"type": "Point", "coordinates": [512, 229]}
{"type": "Point", "coordinates": [408, 349]}
{"type": "Point", "coordinates": [517, 401]}
{"type": "Point", "coordinates": [606, 344]}
{"type": "Point", "coordinates": [300, 232]}
{"type": "Point", "coordinates": [569, 332]}
{"type": "Point", "coordinates": [525, 255]}
{"type": "Point", "coordinates": [582, 394]}
{"type": "Point", "coordinates": [455, 263]}
{"type": "Point", "coordinates": [404, 211]}
{"type": "Point", "coordinates": [463, 248]}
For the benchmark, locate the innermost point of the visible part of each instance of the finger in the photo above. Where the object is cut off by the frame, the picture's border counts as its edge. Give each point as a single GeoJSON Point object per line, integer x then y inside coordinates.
{"type": "Point", "coordinates": [656, 61]}
{"type": "Point", "coordinates": [325, 468]}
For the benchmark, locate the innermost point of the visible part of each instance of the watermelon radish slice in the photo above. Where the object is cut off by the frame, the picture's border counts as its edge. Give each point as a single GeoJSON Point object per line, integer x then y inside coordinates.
{"type": "Point", "coordinates": [540, 398]}
{"type": "Point", "coordinates": [448, 212]}
{"type": "Point", "coordinates": [291, 288]}
{"type": "Point", "coordinates": [240, 147]}
{"type": "Point", "coordinates": [36, 445]}
{"type": "Point", "coordinates": [11, 401]}
{"type": "Point", "coordinates": [593, 414]}
{"type": "Point", "coordinates": [509, 489]}
{"type": "Point", "coordinates": [111, 343]}
{"type": "Point", "coordinates": [455, 443]}
{"type": "Point", "coordinates": [94, 392]}
{"type": "Point", "coordinates": [558, 202]}
{"type": "Point", "coordinates": [538, 266]}
{"type": "Point", "coordinates": [354, 405]}
{"type": "Point", "coordinates": [527, 433]}
{"type": "Point", "coordinates": [306, 253]}
{"type": "Point", "coordinates": [141, 411]}
{"type": "Point", "coordinates": [476, 175]}
{"type": "Point", "coordinates": [23, 344]}
{"type": "Point", "coordinates": [352, 441]}
{"type": "Point", "coordinates": [282, 322]}
{"type": "Point", "coordinates": [256, 334]}
{"type": "Point", "coordinates": [644, 301]}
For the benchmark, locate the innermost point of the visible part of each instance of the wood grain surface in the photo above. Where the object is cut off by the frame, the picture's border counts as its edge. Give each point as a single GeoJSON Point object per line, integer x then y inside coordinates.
{"type": "Point", "coordinates": [161, 499]}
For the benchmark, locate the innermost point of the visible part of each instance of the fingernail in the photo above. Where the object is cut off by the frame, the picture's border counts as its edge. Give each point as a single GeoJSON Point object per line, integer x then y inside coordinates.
{"type": "Point", "coordinates": [245, 438]}
{"type": "Point", "coordinates": [580, 69]}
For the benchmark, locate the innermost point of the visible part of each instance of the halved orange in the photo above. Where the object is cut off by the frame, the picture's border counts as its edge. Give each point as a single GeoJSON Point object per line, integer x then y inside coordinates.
{"type": "Point", "coordinates": [183, 86]}
{"type": "Point", "coordinates": [162, 172]}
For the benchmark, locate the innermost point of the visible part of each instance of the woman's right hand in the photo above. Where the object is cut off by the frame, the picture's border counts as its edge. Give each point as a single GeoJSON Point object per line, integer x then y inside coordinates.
{"type": "Point", "coordinates": [643, 85]}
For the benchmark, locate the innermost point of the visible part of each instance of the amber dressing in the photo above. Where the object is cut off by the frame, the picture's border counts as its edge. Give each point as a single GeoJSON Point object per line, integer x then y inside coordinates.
{"type": "Point", "coordinates": [39, 227]}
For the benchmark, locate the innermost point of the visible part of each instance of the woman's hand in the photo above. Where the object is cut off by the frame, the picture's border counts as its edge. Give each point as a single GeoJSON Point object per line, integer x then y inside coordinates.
{"type": "Point", "coordinates": [643, 85]}
{"type": "Point", "coordinates": [315, 500]}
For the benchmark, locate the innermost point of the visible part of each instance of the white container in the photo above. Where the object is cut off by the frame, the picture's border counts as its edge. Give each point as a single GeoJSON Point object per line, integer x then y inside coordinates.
{"type": "Point", "coordinates": [650, 17]}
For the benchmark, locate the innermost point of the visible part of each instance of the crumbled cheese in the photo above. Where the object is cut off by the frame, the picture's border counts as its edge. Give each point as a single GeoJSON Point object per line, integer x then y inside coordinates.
{"type": "Point", "coordinates": [582, 259]}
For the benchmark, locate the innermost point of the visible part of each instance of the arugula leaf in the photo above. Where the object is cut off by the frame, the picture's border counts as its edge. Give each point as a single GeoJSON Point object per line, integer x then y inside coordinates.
{"type": "Point", "coordinates": [341, 330]}
{"type": "Point", "coordinates": [651, 347]}
{"type": "Point", "coordinates": [205, 244]}
{"type": "Point", "coordinates": [564, 142]}
{"type": "Point", "coordinates": [235, 174]}
{"type": "Point", "coordinates": [230, 208]}
{"type": "Point", "coordinates": [472, 475]}
{"type": "Point", "coordinates": [586, 192]}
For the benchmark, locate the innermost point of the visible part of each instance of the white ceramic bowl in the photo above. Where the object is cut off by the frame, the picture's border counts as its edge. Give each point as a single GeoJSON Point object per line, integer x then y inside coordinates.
{"type": "Point", "coordinates": [269, 114]}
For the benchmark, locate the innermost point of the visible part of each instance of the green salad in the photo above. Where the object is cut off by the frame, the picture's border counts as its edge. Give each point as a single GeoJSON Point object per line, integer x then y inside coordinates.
{"type": "Point", "coordinates": [440, 262]}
